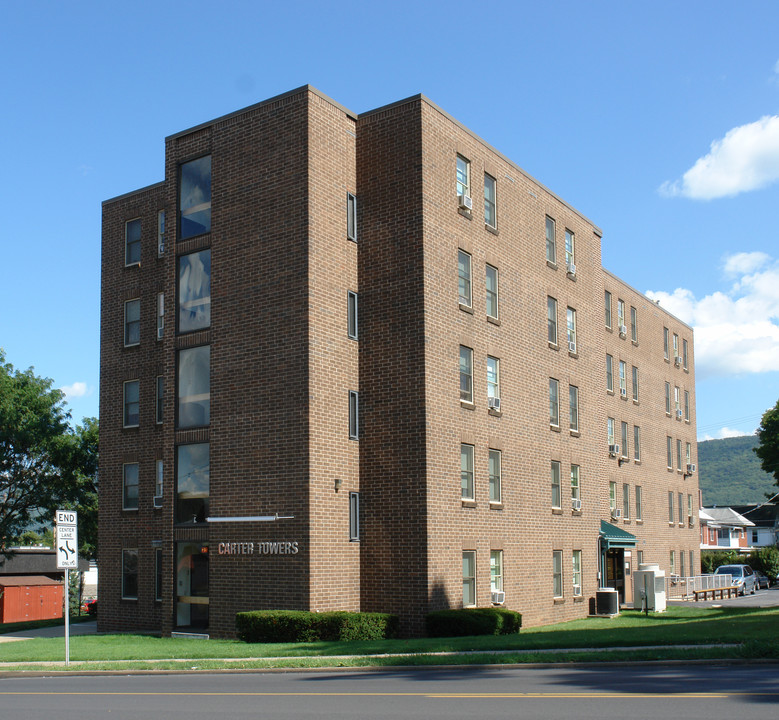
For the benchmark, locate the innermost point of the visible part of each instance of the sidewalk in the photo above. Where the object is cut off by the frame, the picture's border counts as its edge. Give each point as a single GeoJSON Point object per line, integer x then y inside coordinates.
{"type": "Point", "coordinates": [82, 628]}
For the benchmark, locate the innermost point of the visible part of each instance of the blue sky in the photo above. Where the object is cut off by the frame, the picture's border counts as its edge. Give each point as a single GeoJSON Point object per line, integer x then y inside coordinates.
{"type": "Point", "coordinates": [658, 121]}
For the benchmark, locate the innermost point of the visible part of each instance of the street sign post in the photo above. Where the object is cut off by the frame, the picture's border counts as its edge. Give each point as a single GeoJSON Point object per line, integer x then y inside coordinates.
{"type": "Point", "coordinates": [66, 522]}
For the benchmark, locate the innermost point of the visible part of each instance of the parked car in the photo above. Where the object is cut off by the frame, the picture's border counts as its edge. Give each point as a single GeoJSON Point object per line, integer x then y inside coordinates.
{"type": "Point", "coordinates": [763, 581]}
{"type": "Point", "coordinates": [743, 577]}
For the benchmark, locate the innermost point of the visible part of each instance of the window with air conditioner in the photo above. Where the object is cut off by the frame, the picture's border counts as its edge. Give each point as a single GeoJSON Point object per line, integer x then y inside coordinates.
{"type": "Point", "coordinates": [493, 383]}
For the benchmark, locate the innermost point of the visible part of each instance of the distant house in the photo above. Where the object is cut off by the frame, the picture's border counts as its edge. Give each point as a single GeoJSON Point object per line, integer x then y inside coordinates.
{"type": "Point", "coordinates": [722, 528]}
{"type": "Point", "coordinates": [765, 519]}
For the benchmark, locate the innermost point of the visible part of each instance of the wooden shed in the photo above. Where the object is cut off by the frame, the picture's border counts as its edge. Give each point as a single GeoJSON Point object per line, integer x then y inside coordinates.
{"type": "Point", "coordinates": [30, 597]}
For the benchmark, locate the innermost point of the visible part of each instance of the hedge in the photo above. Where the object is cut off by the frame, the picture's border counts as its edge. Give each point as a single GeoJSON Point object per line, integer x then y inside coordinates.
{"type": "Point", "coordinates": [304, 626]}
{"type": "Point", "coordinates": [473, 621]}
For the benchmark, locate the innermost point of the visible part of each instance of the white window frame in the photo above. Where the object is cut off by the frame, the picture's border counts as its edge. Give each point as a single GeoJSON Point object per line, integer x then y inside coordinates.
{"type": "Point", "coordinates": [160, 315]}
{"type": "Point", "coordinates": [669, 452]}
{"type": "Point", "coordinates": [493, 298]}
{"type": "Point", "coordinates": [351, 217]}
{"type": "Point", "coordinates": [550, 232]}
{"type": "Point", "coordinates": [624, 438]}
{"type": "Point", "coordinates": [557, 573]}
{"type": "Point", "coordinates": [551, 320]}
{"type": "Point", "coordinates": [493, 377]}
{"type": "Point", "coordinates": [496, 570]}
{"type": "Point", "coordinates": [352, 315]}
{"type": "Point", "coordinates": [610, 430]}
{"type": "Point", "coordinates": [159, 480]}
{"type": "Point", "coordinates": [127, 403]}
{"type": "Point", "coordinates": [612, 495]}
{"type": "Point", "coordinates": [607, 308]}
{"type": "Point", "coordinates": [573, 408]}
{"type": "Point", "coordinates": [576, 572]}
{"type": "Point", "coordinates": [636, 443]}
{"type": "Point", "coordinates": [555, 484]}
{"type": "Point", "coordinates": [469, 578]}
{"type": "Point", "coordinates": [554, 402]}
{"type": "Point", "coordinates": [633, 324]}
{"type": "Point", "coordinates": [466, 374]}
{"type": "Point", "coordinates": [571, 326]}
{"type": "Point", "coordinates": [666, 343]}
{"type": "Point", "coordinates": [639, 503]}
{"type": "Point", "coordinates": [495, 471]}
{"type": "Point", "coordinates": [463, 167]}
{"type": "Point", "coordinates": [635, 383]}
{"type": "Point", "coordinates": [620, 314]}
{"type": "Point", "coordinates": [570, 248]}
{"type": "Point", "coordinates": [623, 379]}
{"type": "Point", "coordinates": [576, 486]}
{"type": "Point", "coordinates": [467, 471]}
{"type": "Point", "coordinates": [135, 302]}
{"type": "Point", "coordinates": [491, 203]}
{"type": "Point", "coordinates": [609, 373]}
{"type": "Point", "coordinates": [465, 278]}
{"type": "Point", "coordinates": [126, 485]}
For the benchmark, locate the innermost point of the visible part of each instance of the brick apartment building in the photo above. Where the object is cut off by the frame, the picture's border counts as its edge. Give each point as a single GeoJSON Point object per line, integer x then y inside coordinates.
{"type": "Point", "coordinates": [366, 362]}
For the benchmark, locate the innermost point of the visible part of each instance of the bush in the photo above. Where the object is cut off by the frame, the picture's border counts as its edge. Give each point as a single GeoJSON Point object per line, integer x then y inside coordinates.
{"type": "Point", "coordinates": [304, 626]}
{"type": "Point", "coordinates": [473, 621]}
{"type": "Point", "coordinates": [765, 559]}
{"type": "Point", "coordinates": [712, 559]}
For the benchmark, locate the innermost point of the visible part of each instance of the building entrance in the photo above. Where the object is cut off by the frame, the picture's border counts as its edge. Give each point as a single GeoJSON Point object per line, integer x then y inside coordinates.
{"type": "Point", "coordinates": [191, 585]}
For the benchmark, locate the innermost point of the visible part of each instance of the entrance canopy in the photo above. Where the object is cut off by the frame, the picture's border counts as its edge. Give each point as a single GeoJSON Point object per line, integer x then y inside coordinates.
{"type": "Point", "coordinates": [613, 536]}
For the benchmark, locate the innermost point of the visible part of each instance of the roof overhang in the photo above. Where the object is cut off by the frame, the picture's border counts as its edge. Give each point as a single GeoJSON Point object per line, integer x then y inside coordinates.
{"type": "Point", "coordinates": [615, 537]}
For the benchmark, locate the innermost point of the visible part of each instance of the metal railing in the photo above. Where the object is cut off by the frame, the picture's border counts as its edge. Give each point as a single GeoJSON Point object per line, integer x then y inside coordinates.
{"type": "Point", "coordinates": [678, 587]}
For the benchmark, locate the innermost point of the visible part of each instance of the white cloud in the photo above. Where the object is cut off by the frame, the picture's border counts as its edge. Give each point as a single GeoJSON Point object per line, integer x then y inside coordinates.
{"type": "Point", "coordinates": [736, 331]}
{"type": "Point", "coordinates": [747, 158]}
{"type": "Point", "coordinates": [76, 390]}
{"type": "Point", "coordinates": [725, 432]}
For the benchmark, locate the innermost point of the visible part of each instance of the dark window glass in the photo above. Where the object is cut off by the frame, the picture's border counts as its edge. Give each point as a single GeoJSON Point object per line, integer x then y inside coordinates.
{"type": "Point", "coordinates": [129, 574]}
{"type": "Point", "coordinates": [194, 291]}
{"type": "Point", "coordinates": [194, 387]}
{"type": "Point", "coordinates": [192, 483]}
{"type": "Point", "coordinates": [195, 198]}
{"type": "Point", "coordinates": [132, 242]}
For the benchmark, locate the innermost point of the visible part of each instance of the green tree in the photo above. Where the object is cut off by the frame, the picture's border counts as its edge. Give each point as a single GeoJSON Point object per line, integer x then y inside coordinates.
{"type": "Point", "coordinates": [768, 447]}
{"type": "Point", "coordinates": [44, 463]}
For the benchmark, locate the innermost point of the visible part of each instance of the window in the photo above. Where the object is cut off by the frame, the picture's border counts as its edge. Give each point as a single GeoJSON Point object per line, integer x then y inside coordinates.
{"type": "Point", "coordinates": [464, 273]}
{"type": "Point", "coordinates": [493, 378]}
{"type": "Point", "coordinates": [668, 398]}
{"type": "Point", "coordinates": [665, 343]}
{"type": "Point", "coordinates": [463, 176]}
{"type": "Point", "coordinates": [636, 443]}
{"type": "Point", "coordinates": [551, 244]}
{"type": "Point", "coordinates": [351, 315]}
{"type": "Point", "coordinates": [160, 233]}
{"type": "Point", "coordinates": [576, 572]}
{"type": "Point", "coordinates": [633, 324]}
{"type": "Point", "coordinates": [670, 507]}
{"type": "Point", "coordinates": [612, 496]}
{"type": "Point", "coordinates": [354, 516]}
{"type": "Point", "coordinates": [681, 508]}
{"type": "Point", "coordinates": [466, 374]}
{"type": "Point", "coordinates": [679, 455]}
{"type": "Point", "coordinates": [496, 570]}
{"type": "Point", "coordinates": [132, 242]}
{"type": "Point", "coordinates": [571, 316]}
{"type": "Point", "coordinates": [609, 373]}
{"type": "Point", "coordinates": [575, 485]}
{"type": "Point", "coordinates": [687, 405]}
{"type": "Point", "coordinates": [129, 574]}
{"type": "Point", "coordinates": [490, 206]}
{"type": "Point", "coordinates": [354, 415]}
{"type": "Point", "coordinates": [640, 557]}
{"type": "Point", "coordinates": [573, 407]}
{"type": "Point", "coordinates": [673, 562]}
{"type": "Point", "coordinates": [570, 259]}
{"type": "Point", "coordinates": [677, 400]}
{"type": "Point", "coordinates": [755, 537]}
{"type": "Point", "coordinates": [625, 501]}
{"type": "Point", "coordinates": [624, 438]}
{"type": "Point", "coordinates": [130, 486]}
{"type": "Point", "coordinates": [131, 404]}
{"type": "Point", "coordinates": [681, 563]}
{"type": "Point", "coordinates": [132, 322]}
{"type": "Point", "coordinates": [492, 292]}
{"type": "Point", "coordinates": [692, 564]}
{"type": "Point", "coordinates": [469, 578]}
{"type": "Point", "coordinates": [689, 509]}
{"type": "Point", "coordinates": [557, 573]}
{"type": "Point", "coordinates": [607, 298]}
{"type": "Point", "coordinates": [556, 491]}
{"type": "Point", "coordinates": [687, 453]}
{"type": "Point", "coordinates": [158, 574]}
{"type": "Point", "coordinates": [194, 387]}
{"type": "Point", "coordinates": [635, 383]}
{"type": "Point", "coordinates": [623, 381]}
{"type": "Point", "coordinates": [551, 320]}
{"type": "Point", "coordinates": [684, 354]}
{"type": "Point", "coordinates": [194, 291]}
{"type": "Point", "coordinates": [192, 482]}
{"type": "Point", "coordinates": [554, 402]}
{"type": "Point", "coordinates": [676, 346]}
{"type": "Point", "coordinates": [621, 316]}
{"type": "Point", "coordinates": [160, 315]}
{"type": "Point", "coordinates": [159, 479]}
{"type": "Point", "coordinates": [669, 452]}
{"type": "Point", "coordinates": [160, 399]}
{"type": "Point", "coordinates": [610, 430]}
{"type": "Point", "coordinates": [639, 508]}
{"type": "Point", "coordinates": [466, 471]}
{"type": "Point", "coordinates": [495, 476]}
{"type": "Point", "coordinates": [351, 217]}
{"type": "Point", "coordinates": [195, 198]}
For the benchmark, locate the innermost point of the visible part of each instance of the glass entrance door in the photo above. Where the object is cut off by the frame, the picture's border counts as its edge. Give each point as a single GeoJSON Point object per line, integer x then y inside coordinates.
{"type": "Point", "coordinates": [192, 585]}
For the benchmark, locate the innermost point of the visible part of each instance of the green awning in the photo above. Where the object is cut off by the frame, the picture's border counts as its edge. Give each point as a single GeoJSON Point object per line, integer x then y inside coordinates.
{"type": "Point", "coordinates": [615, 537]}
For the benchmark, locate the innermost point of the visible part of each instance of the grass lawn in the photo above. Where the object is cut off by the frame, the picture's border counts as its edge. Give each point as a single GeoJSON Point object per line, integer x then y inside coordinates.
{"type": "Point", "coordinates": [753, 628]}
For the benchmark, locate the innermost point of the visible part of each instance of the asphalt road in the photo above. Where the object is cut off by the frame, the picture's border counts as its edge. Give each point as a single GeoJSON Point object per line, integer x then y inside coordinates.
{"type": "Point", "coordinates": [697, 692]}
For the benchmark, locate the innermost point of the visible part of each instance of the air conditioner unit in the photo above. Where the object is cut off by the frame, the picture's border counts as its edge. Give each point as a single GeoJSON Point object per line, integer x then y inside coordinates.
{"type": "Point", "coordinates": [623, 331]}
{"type": "Point", "coordinates": [577, 590]}
{"type": "Point", "coordinates": [498, 597]}
{"type": "Point", "coordinates": [691, 522]}
{"type": "Point", "coordinates": [572, 347]}
{"type": "Point", "coordinates": [161, 247]}
{"type": "Point", "coordinates": [158, 501]}
{"type": "Point", "coordinates": [690, 468]}
{"type": "Point", "coordinates": [576, 504]}
{"type": "Point", "coordinates": [613, 450]}
{"type": "Point", "coordinates": [677, 361]}
{"type": "Point", "coordinates": [465, 202]}
{"type": "Point", "coordinates": [678, 414]}
{"type": "Point", "coordinates": [493, 403]}
{"type": "Point", "coordinates": [160, 332]}
{"type": "Point", "coordinates": [623, 392]}
{"type": "Point", "coordinates": [616, 513]}
{"type": "Point", "coordinates": [571, 268]}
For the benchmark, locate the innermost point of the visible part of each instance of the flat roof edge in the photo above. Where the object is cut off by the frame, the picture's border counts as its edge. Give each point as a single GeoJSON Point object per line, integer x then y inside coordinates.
{"type": "Point", "coordinates": [133, 192]}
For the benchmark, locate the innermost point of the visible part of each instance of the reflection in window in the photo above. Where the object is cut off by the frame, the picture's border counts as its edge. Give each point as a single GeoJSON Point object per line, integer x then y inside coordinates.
{"type": "Point", "coordinates": [195, 198]}
{"type": "Point", "coordinates": [195, 291]}
{"type": "Point", "coordinates": [194, 387]}
{"type": "Point", "coordinates": [192, 585]}
{"type": "Point", "coordinates": [192, 483]}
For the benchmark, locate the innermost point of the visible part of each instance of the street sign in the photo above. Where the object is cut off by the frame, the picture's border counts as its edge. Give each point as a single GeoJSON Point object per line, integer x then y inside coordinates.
{"type": "Point", "coordinates": [66, 517]}
{"type": "Point", "coordinates": [67, 539]}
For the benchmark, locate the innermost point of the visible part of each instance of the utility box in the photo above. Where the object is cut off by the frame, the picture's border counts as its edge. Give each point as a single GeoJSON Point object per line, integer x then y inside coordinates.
{"type": "Point", "coordinates": [606, 601]}
{"type": "Point", "coordinates": [649, 588]}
